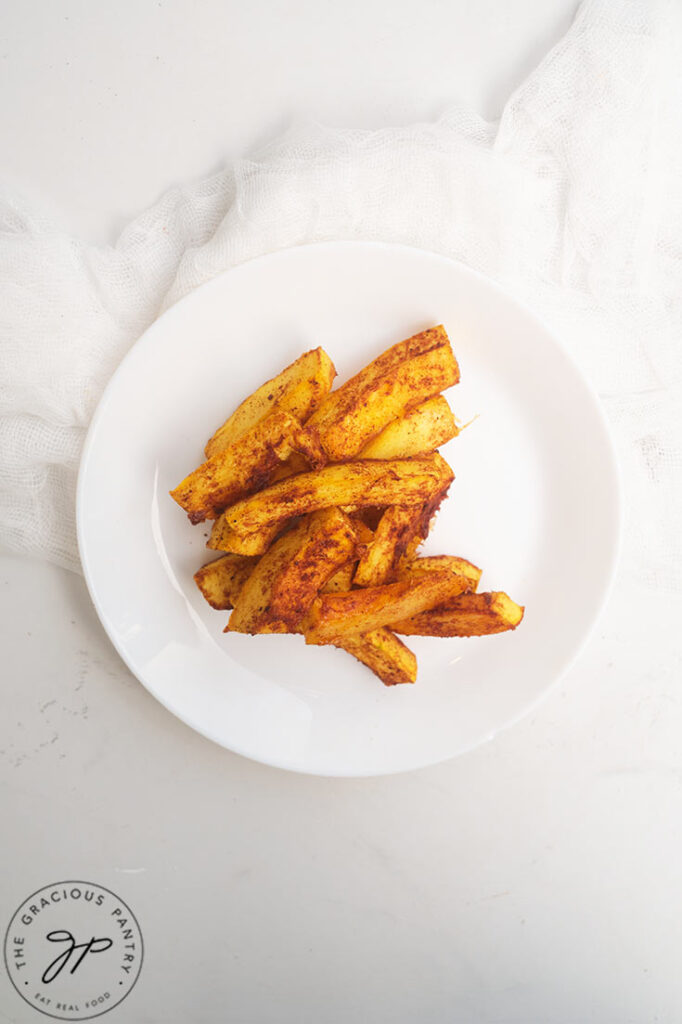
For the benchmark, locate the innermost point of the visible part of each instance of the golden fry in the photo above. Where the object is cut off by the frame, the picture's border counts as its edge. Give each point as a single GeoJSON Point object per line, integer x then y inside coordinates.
{"type": "Point", "coordinates": [466, 615]}
{"type": "Point", "coordinates": [384, 363]}
{"type": "Point", "coordinates": [396, 528]}
{"type": "Point", "coordinates": [405, 375]}
{"type": "Point", "coordinates": [363, 533]}
{"type": "Point", "coordinates": [221, 581]}
{"type": "Point", "coordinates": [469, 573]}
{"type": "Point", "coordinates": [243, 467]}
{"type": "Point", "coordinates": [330, 544]}
{"type": "Point", "coordinates": [290, 575]}
{"type": "Point", "coordinates": [334, 616]}
{"type": "Point", "coordinates": [397, 536]}
{"type": "Point", "coordinates": [384, 653]}
{"type": "Point", "coordinates": [298, 390]}
{"type": "Point", "coordinates": [411, 551]}
{"type": "Point", "coordinates": [251, 613]}
{"type": "Point", "coordinates": [341, 580]}
{"type": "Point", "coordinates": [421, 430]}
{"type": "Point", "coordinates": [412, 382]}
{"type": "Point", "coordinates": [224, 538]}
{"type": "Point", "coordinates": [296, 463]}
{"type": "Point", "coordinates": [394, 482]}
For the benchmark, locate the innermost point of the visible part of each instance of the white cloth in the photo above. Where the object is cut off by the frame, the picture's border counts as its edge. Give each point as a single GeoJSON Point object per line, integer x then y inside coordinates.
{"type": "Point", "coordinates": [573, 202]}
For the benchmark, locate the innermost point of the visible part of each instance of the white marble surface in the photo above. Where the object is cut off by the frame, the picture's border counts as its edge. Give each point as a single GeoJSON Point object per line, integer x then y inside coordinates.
{"type": "Point", "coordinates": [534, 881]}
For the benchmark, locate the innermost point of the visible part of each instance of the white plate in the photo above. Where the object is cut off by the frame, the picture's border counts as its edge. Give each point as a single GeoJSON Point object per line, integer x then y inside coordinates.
{"type": "Point", "coordinates": [535, 502]}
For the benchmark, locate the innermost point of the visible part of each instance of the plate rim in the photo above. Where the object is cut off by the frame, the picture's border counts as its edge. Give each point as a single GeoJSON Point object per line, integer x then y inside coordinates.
{"type": "Point", "coordinates": [610, 448]}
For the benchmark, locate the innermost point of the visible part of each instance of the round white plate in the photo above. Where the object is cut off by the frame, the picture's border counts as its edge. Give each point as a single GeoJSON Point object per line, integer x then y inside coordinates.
{"type": "Point", "coordinates": [535, 503]}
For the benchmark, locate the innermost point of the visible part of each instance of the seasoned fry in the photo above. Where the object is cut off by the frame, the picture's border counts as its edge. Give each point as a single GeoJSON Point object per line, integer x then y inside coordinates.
{"type": "Point", "coordinates": [421, 430]}
{"type": "Point", "coordinates": [341, 580]}
{"type": "Point", "coordinates": [330, 544]}
{"type": "Point", "coordinates": [394, 482]}
{"type": "Point", "coordinates": [334, 616]}
{"type": "Point", "coordinates": [411, 551]}
{"type": "Point", "coordinates": [251, 613]}
{"type": "Point", "coordinates": [384, 653]}
{"type": "Point", "coordinates": [363, 532]}
{"type": "Point", "coordinates": [293, 465]}
{"type": "Point", "coordinates": [221, 581]}
{"type": "Point", "coordinates": [412, 382]}
{"type": "Point", "coordinates": [405, 375]}
{"type": "Point", "coordinates": [224, 538]}
{"type": "Point", "coordinates": [288, 578]}
{"type": "Point", "coordinates": [422, 526]}
{"type": "Point", "coordinates": [298, 390]}
{"type": "Point", "coordinates": [466, 615]}
{"type": "Point", "coordinates": [396, 528]}
{"type": "Point", "coordinates": [243, 467]}
{"type": "Point", "coordinates": [349, 393]}
{"type": "Point", "coordinates": [469, 573]}
{"type": "Point", "coordinates": [396, 539]}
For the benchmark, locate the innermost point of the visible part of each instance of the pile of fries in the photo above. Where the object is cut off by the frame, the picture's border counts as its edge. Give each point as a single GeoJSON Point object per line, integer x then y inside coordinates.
{"type": "Point", "coordinates": [320, 499]}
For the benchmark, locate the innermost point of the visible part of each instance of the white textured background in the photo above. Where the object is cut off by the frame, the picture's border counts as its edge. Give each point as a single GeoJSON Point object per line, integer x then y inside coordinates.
{"type": "Point", "coordinates": [535, 881]}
